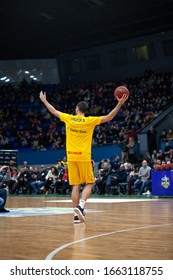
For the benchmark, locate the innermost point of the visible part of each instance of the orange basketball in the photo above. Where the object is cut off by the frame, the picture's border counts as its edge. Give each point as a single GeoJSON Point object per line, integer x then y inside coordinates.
{"type": "Point", "coordinates": [163, 166]}
{"type": "Point", "coordinates": [169, 166]}
{"type": "Point", "coordinates": [157, 167]}
{"type": "Point", "coordinates": [119, 91]}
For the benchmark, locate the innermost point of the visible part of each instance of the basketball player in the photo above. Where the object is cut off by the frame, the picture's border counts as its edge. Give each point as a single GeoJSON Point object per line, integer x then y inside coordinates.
{"type": "Point", "coordinates": [79, 131]}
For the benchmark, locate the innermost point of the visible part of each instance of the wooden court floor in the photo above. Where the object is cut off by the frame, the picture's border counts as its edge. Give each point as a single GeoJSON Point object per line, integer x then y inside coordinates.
{"type": "Point", "coordinates": [39, 228]}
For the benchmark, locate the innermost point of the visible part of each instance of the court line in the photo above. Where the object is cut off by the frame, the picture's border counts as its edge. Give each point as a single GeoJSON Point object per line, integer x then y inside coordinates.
{"type": "Point", "coordinates": [107, 200]}
{"type": "Point", "coordinates": [54, 252]}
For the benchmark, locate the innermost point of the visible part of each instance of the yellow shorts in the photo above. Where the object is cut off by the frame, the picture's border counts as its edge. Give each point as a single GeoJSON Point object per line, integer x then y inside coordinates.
{"type": "Point", "coordinates": [80, 172]}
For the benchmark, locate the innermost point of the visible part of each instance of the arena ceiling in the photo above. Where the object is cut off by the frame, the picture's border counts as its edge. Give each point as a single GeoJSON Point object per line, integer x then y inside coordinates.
{"type": "Point", "coordinates": [46, 28]}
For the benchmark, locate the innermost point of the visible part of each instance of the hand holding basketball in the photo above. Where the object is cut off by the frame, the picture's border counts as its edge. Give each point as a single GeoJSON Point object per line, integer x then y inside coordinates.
{"type": "Point", "coordinates": [120, 91]}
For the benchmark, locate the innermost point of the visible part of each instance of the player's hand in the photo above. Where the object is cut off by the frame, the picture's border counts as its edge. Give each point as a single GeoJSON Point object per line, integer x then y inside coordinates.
{"type": "Point", "coordinates": [43, 96]}
{"type": "Point", "coordinates": [123, 99]}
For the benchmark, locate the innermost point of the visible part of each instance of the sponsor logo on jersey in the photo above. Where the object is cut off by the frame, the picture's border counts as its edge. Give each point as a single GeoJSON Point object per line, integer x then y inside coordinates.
{"type": "Point", "coordinates": [74, 153]}
{"type": "Point", "coordinates": [77, 120]}
{"type": "Point", "coordinates": [78, 130]}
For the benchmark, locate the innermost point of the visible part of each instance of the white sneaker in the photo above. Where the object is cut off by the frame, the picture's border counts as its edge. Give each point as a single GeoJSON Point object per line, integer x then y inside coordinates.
{"type": "Point", "coordinates": [147, 193]}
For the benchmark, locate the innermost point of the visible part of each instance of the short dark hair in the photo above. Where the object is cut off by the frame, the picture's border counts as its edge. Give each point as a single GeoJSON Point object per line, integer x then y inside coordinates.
{"type": "Point", "coordinates": [83, 106]}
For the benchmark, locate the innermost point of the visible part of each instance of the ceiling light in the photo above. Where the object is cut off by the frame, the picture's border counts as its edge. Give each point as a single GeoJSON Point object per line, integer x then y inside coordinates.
{"type": "Point", "coordinates": [3, 78]}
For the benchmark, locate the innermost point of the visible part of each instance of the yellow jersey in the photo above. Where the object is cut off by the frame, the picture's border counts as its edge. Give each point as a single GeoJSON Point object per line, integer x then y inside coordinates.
{"type": "Point", "coordinates": [79, 132]}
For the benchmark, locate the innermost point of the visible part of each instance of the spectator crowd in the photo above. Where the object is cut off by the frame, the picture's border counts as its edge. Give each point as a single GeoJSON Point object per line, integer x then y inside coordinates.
{"type": "Point", "coordinates": [26, 124]}
{"type": "Point", "coordinates": [36, 180]}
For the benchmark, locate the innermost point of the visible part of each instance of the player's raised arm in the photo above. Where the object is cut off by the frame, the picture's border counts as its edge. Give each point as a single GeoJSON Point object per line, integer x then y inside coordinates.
{"type": "Point", "coordinates": [113, 113]}
{"type": "Point", "coordinates": [50, 108]}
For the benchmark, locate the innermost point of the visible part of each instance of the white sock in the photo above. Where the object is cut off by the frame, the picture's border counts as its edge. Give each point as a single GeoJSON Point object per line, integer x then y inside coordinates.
{"type": "Point", "coordinates": [82, 203]}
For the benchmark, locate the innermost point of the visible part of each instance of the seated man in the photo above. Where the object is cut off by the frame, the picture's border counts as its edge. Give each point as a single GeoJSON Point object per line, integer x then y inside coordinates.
{"type": "Point", "coordinates": [143, 177]}
{"type": "Point", "coordinates": [101, 177]}
{"type": "Point", "coordinates": [23, 181]}
{"type": "Point", "coordinates": [39, 181]}
{"type": "Point", "coordinates": [3, 191]}
{"type": "Point", "coordinates": [116, 177]}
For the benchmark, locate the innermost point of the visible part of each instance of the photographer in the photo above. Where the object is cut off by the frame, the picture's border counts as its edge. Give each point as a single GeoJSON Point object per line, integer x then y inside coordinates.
{"type": "Point", "coordinates": [101, 177]}
{"type": "Point", "coordinates": [23, 181]}
{"type": "Point", "coordinates": [3, 188]}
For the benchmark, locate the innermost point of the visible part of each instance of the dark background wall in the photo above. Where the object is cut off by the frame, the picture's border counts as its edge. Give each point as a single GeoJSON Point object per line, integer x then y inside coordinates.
{"type": "Point", "coordinates": [119, 60]}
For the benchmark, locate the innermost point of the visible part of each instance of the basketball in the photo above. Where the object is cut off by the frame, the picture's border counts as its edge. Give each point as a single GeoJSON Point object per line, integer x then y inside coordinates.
{"type": "Point", "coordinates": [119, 91]}
{"type": "Point", "coordinates": [163, 166]}
{"type": "Point", "coordinates": [169, 166]}
{"type": "Point", "coordinates": [157, 167]}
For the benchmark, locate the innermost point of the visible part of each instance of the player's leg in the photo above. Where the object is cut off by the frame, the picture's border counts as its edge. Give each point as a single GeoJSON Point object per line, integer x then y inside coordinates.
{"type": "Point", "coordinates": [87, 191]}
{"type": "Point", "coordinates": [75, 195]}
{"type": "Point", "coordinates": [87, 176]}
{"type": "Point", "coordinates": [75, 200]}
{"type": "Point", "coordinates": [74, 181]}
